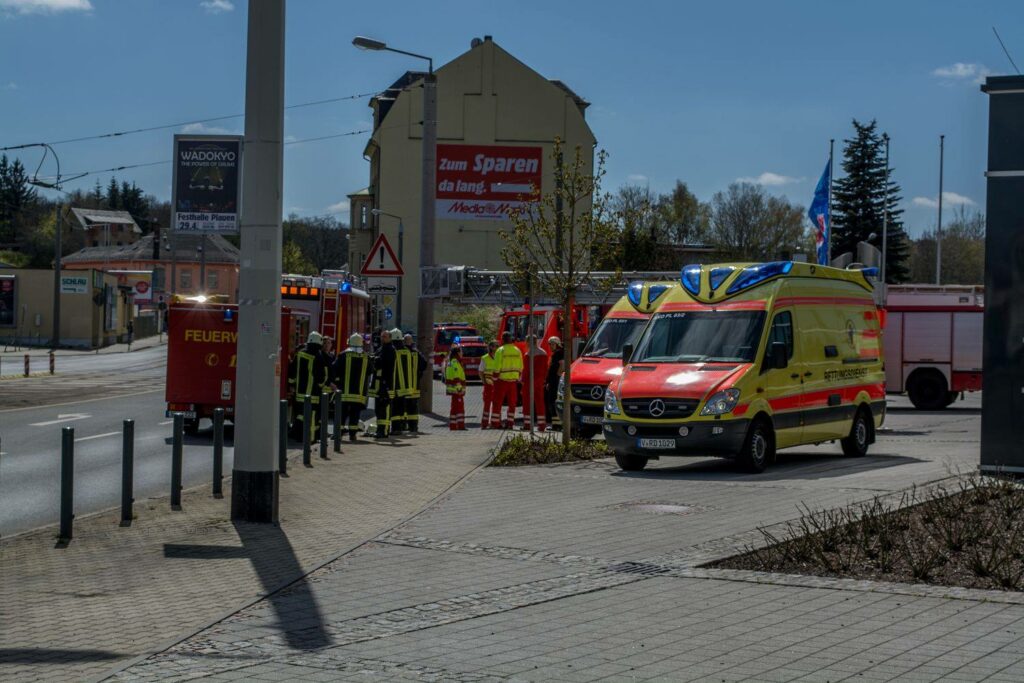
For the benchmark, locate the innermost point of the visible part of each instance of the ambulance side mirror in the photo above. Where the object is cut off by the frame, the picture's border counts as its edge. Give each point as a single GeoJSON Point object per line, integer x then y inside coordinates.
{"type": "Point", "coordinates": [627, 353]}
{"type": "Point", "coordinates": [578, 346]}
{"type": "Point", "coordinates": [778, 355]}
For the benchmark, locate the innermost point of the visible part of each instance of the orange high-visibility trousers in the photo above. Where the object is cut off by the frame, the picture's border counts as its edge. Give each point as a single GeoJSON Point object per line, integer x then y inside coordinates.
{"type": "Point", "coordinates": [488, 417]}
{"type": "Point", "coordinates": [538, 406]}
{"type": "Point", "coordinates": [505, 392]}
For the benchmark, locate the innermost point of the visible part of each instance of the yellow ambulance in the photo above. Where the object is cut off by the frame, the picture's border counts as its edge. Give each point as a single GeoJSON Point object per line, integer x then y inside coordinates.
{"type": "Point", "coordinates": [744, 359]}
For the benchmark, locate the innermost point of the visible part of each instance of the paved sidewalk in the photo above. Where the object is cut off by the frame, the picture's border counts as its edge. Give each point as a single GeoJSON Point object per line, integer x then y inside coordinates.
{"type": "Point", "coordinates": [562, 573]}
{"type": "Point", "coordinates": [114, 594]}
{"type": "Point", "coordinates": [10, 354]}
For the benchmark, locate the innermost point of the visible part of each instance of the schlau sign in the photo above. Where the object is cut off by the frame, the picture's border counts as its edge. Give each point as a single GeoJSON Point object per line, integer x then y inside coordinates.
{"type": "Point", "coordinates": [207, 183]}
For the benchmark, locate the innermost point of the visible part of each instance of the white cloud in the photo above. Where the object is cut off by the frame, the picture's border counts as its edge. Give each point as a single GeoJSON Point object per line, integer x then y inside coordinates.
{"type": "Point", "coordinates": [770, 179]}
{"type": "Point", "coordinates": [948, 199]}
{"type": "Point", "coordinates": [203, 129]}
{"type": "Point", "coordinates": [975, 73]}
{"type": "Point", "coordinates": [45, 6]}
{"type": "Point", "coordinates": [217, 6]}
{"type": "Point", "coordinates": [637, 178]}
{"type": "Point", "coordinates": [9, 85]}
{"type": "Point", "coordinates": [339, 207]}
{"type": "Point", "coordinates": [290, 138]}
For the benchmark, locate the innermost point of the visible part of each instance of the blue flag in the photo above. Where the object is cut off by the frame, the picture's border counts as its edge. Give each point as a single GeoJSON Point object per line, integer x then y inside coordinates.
{"type": "Point", "coordinates": [819, 214]}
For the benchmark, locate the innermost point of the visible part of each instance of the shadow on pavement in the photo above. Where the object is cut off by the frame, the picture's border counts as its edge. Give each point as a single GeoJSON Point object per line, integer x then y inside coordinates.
{"type": "Point", "coordinates": [44, 655]}
{"type": "Point", "coordinates": [951, 410]}
{"type": "Point", "coordinates": [267, 547]}
{"type": "Point", "coordinates": [787, 466]}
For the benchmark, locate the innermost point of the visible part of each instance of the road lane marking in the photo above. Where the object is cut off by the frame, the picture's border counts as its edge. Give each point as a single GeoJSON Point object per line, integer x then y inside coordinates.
{"type": "Point", "coordinates": [70, 417]}
{"type": "Point", "coordinates": [166, 422]}
{"type": "Point", "coordinates": [97, 436]}
{"type": "Point", "coordinates": [87, 400]}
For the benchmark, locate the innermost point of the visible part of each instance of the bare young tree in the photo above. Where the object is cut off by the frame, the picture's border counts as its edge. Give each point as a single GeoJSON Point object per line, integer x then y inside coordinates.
{"type": "Point", "coordinates": [747, 224]}
{"type": "Point", "coordinates": [557, 239]}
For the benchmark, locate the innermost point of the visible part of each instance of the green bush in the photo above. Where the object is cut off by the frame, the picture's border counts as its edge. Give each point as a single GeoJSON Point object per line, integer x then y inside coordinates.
{"type": "Point", "coordinates": [524, 450]}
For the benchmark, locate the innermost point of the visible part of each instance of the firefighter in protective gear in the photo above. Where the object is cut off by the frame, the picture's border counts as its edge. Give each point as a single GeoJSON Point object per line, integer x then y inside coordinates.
{"type": "Point", "coordinates": [400, 384]}
{"type": "Point", "coordinates": [510, 372]}
{"type": "Point", "coordinates": [309, 375]}
{"type": "Point", "coordinates": [555, 370]}
{"type": "Point", "coordinates": [533, 387]}
{"type": "Point", "coordinates": [489, 375]}
{"type": "Point", "coordinates": [351, 371]}
{"type": "Point", "coordinates": [455, 386]}
{"type": "Point", "coordinates": [383, 376]}
{"type": "Point", "coordinates": [416, 364]}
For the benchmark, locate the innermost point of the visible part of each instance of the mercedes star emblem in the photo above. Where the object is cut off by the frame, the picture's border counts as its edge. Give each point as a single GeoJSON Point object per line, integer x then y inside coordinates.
{"type": "Point", "coordinates": [657, 408]}
{"type": "Point", "coordinates": [597, 393]}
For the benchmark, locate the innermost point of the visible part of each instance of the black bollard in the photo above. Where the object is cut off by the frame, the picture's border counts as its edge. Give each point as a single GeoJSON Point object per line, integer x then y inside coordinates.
{"type": "Point", "coordinates": [324, 421]}
{"type": "Point", "coordinates": [176, 439]}
{"type": "Point", "coordinates": [307, 420]}
{"type": "Point", "coordinates": [67, 482]}
{"type": "Point", "coordinates": [337, 423]}
{"type": "Point", "coordinates": [127, 470]}
{"type": "Point", "coordinates": [282, 439]}
{"type": "Point", "coordinates": [218, 452]}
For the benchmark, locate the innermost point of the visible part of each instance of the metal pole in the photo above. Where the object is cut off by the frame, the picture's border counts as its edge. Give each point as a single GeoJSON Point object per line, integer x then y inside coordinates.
{"type": "Point", "coordinates": [174, 267]}
{"type": "Point", "coordinates": [127, 471]}
{"type": "Point", "coordinates": [202, 264]}
{"type": "Point", "coordinates": [938, 234]}
{"type": "Point", "coordinates": [401, 255]}
{"type": "Point", "coordinates": [176, 439]}
{"type": "Point", "coordinates": [218, 452]}
{"type": "Point", "coordinates": [56, 275]}
{"type": "Point", "coordinates": [831, 174]}
{"type": "Point", "coordinates": [282, 437]}
{"type": "Point", "coordinates": [67, 483]}
{"type": "Point", "coordinates": [425, 306]}
{"type": "Point", "coordinates": [337, 419]}
{"type": "Point", "coordinates": [307, 418]}
{"type": "Point", "coordinates": [532, 341]}
{"type": "Point", "coordinates": [254, 489]}
{"type": "Point", "coordinates": [324, 421]}
{"type": "Point", "coordinates": [885, 208]}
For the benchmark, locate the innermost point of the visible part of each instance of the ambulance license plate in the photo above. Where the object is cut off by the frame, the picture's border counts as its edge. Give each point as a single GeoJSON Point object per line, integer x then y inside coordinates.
{"type": "Point", "coordinates": [590, 419]}
{"type": "Point", "coordinates": [656, 443]}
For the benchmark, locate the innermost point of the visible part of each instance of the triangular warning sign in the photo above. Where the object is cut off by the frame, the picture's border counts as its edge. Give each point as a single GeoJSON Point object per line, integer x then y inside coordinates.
{"type": "Point", "coordinates": [382, 259]}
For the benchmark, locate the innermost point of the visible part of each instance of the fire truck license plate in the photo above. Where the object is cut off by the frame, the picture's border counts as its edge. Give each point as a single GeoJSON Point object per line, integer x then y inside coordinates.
{"type": "Point", "coordinates": [590, 419]}
{"type": "Point", "coordinates": [656, 443]}
{"type": "Point", "coordinates": [187, 414]}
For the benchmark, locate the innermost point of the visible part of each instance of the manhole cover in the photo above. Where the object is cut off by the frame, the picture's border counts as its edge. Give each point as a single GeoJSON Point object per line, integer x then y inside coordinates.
{"type": "Point", "coordinates": [659, 508]}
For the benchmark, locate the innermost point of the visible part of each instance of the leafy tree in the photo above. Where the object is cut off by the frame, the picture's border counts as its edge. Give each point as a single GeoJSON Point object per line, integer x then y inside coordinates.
{"type": "Point", "coordinates": [322, 240]}
{"type": "Point", "coordinates": [686, 219]}
{"type": "Point", "coordinates": [557, 239]}
{"type": "Point", "coordinates": [293, 261]}
{"type": "Point", "coordinates": [655, 228]}
{"type": "Point", "coordinates": [860, 198]}
{"type": "Point", "coordinates": [747, 224]}
{"type": "Point", "coordinates": [963, 251]}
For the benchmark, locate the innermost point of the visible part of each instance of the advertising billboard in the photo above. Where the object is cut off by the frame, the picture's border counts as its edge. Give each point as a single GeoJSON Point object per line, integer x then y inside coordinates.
{"type": "Point", "coordinates": [486, 182]}
{"type": "Point", "coordinates": [141, 282]}
{"type": "Point", "coordinates": [8, 313]}
{"type": "Point", "coordinates": [206, 184]}
{"type": "Point", "coordinates": [74, 284]}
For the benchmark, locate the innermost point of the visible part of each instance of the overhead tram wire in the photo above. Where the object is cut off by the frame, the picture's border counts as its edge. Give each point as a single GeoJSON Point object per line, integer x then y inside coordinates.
{"type": "Point", "coordinates": [212, 119]}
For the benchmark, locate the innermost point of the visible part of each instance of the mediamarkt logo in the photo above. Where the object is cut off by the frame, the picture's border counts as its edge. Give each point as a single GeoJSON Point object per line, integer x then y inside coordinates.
{"type": "Point", "coordinates": [488, 208]}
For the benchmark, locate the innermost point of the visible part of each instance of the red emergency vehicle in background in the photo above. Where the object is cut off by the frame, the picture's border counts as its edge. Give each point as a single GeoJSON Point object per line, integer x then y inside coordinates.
{"type": "Point", "coordinates": [547, 321]}
{"type": "Point", "coordinates": [445, 335]}
{"type": "Point", "coordinates": [336, 308]}
{"type": "Point", "coordinates": [933, 342]}
{"type": "Point", "coordinates": [601, 360]}
{"type": "Point", "coordinates": [201, 357]}
{"type": "Point", "coordinates": [473, 351]}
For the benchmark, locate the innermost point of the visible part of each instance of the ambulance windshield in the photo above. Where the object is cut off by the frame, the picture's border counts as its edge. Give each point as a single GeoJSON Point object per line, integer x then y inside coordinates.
{"type": "Point", "coordinates": [612, 334]}
{"type": "Point", "coordinates": [701, 337]}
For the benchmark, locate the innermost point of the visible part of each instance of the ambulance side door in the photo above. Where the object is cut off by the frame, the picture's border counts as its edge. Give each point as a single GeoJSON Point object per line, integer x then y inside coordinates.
{"type": "Point", "coordinates": [783, 387]}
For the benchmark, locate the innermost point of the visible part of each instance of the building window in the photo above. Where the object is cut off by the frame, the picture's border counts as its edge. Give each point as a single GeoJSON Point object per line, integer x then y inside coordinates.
{"type": "Point", "coordinates": [364, 214]}
{"type": "Point", "coordinates": [211, 280]}
{"type": "Point", "coordinates": [186, 280]}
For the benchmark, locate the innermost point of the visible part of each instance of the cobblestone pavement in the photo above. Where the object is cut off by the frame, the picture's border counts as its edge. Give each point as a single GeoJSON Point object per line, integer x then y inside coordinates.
{"type": "Point", "coordinates": [582, 572]}
{"type": "Point", "coordinates": [117, 593]}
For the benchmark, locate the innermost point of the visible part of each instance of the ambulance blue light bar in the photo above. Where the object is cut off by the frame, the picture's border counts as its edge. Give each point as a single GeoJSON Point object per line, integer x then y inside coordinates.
{"type": "Point", "coordinates": [753, 275]}
{"type": "Point", "coordinates": [635, 292]}
{"type": "Point", "coordinates": [654, 291]}
{"type": "Point", "coordinates": [718, 276]}
{"type": "Point", "coordinates": [690, 278]}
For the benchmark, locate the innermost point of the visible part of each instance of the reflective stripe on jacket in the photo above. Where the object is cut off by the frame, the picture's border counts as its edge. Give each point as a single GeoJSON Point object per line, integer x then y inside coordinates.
{"type": "Point", "coordinates": [454, 378]}
{"type": "Point", "coordinates": [307, 367]}
{"type": "Point", "coordinates": [510, 363]}
{"type": "Point", "coordinates": [352, 367]}
{"type": "Point", "coordinates": [489, 367]}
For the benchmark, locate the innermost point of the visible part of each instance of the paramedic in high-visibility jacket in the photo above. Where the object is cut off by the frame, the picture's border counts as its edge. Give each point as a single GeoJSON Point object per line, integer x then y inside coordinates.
{"type": "Point", "coordinates": [415, 365]}
{"type": "Point", "coordinates": [489, 375]}
{"type": "Point", "coordinates": [455, 386]}
{"type": "Point", "coordinates": [510, 372]}
{"type": "Point", "coordinates": [309, 375]}
{"type": "Point", "coordinates": [351, 372]}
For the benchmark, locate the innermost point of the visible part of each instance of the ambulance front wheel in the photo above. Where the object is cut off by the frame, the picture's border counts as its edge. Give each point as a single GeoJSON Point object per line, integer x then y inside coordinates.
{"type": "Point", "coordinates": [856, 444]}
{"type": "Point", "coordinates": [758, 448]}
{"type": "Point", "coordinates": [630, 463]}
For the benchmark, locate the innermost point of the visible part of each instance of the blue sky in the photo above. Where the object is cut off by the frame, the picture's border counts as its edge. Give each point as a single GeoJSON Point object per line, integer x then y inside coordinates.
{"type": "Point", "coordinates": [707, 92]}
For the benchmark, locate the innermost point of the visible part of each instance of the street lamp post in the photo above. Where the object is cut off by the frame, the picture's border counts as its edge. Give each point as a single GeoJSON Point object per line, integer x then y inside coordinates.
{"type": "Point", "coordinates": [425, 306]}
{"type": "Point", "coordinates": [401, 249]}
{"type": "Point", "coordinates": [202, 265]}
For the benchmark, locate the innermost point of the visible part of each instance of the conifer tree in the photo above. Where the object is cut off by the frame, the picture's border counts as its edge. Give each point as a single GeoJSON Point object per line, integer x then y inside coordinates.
{"type": "Point", "coordinates": [113, 195]}
{"type": "Point", "coordinates": [859, 198]}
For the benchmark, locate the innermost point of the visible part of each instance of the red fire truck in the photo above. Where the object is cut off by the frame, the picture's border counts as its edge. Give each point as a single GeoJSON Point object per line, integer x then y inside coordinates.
{"type": "Point", "coordinates": [201, 357]}
{"type": "Point", "coordinates": [933, 342]}
{"type": "Point", "coordinates": [336, 308]}
{"type": "Point", "coordinates": [445, 334]}
{"type": "Point", "coordinates": [547, 321]}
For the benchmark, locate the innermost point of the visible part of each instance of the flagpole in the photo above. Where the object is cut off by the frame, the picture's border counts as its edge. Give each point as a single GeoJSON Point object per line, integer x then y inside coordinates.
{"type": "Point", "coordinates": [885, 207]}
{"type": "Point", "coordinates": [828, 249]}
